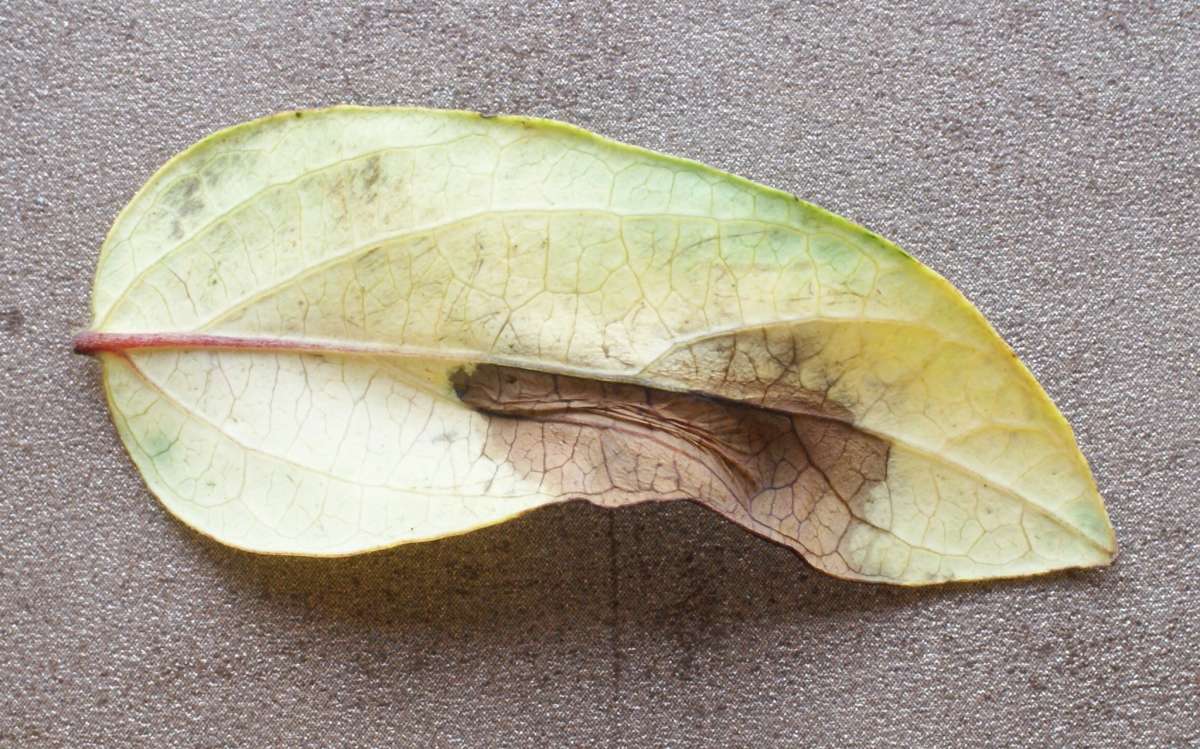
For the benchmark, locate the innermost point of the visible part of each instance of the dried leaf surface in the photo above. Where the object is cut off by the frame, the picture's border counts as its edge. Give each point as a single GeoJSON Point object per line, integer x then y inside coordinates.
{"type": "Point", "coordinates": [335, 331]}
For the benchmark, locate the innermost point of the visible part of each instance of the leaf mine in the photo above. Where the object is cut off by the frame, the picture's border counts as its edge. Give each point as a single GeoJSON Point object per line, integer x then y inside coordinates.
{"type": "Point", "coordinates": [793, 477]}
{"type": "Point", "coordinates": [364, 327]}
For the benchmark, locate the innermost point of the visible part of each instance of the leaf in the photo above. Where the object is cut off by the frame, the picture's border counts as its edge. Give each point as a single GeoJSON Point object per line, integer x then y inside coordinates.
{"type": "Point", "coordinates": [329, 332]}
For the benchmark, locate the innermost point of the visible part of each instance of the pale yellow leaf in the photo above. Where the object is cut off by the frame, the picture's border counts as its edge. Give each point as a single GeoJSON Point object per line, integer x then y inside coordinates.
{"type": "Point", "coordinates": [334, 331]}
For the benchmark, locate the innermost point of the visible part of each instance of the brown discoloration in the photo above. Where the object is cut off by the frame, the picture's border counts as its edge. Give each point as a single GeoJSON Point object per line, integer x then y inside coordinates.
{"type": "Point", "coordinates": [189, 201]}
{"type": "Point", "coordinates": [184, 197]}
{"type": "Point", "coordinates": [370, 174]}
{"type": "Point", "coordinates": [616, 443]}
{"type": "Point", "coordinates": [766, 367]}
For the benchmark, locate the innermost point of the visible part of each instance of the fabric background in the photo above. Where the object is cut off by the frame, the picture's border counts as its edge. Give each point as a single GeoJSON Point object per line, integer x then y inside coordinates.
{"type": "Point", "coordinates": [1045, 157]}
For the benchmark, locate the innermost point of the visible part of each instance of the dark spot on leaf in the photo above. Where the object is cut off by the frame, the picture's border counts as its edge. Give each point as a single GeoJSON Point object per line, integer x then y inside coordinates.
{"type": "Point", "coordinates": [185, 197]}
{"type": "Point", "coordinates": [461, 382]}
{"type": "Point", "coordinates": [370, 173]}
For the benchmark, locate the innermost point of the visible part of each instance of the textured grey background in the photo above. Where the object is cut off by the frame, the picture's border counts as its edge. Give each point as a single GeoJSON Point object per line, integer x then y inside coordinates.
{"type": "Point", "coordinates": [1044, 158]}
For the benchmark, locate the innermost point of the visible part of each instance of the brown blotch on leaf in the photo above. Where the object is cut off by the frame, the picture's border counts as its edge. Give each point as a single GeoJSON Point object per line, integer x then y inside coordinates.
{"type": "Point", "coordinates": [796, 477]}
{"type": "Point", "coordinates": [370, 173]}
{"type": "Point", "coordinates": [186, 198]}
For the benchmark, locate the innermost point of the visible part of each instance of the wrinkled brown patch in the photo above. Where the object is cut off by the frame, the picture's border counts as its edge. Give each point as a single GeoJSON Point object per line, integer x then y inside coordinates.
{"type": "Point", "coordinates": [798, 478]}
